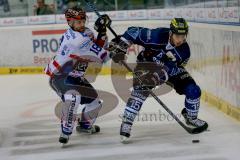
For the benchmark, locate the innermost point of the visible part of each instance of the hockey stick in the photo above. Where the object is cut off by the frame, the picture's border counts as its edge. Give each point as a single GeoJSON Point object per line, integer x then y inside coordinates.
{"type": "Point", "coordinates": [188, 129]}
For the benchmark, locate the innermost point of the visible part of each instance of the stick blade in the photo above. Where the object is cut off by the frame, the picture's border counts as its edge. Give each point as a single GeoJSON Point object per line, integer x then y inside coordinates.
{"type": "Point", "coordinates": [198, 129]}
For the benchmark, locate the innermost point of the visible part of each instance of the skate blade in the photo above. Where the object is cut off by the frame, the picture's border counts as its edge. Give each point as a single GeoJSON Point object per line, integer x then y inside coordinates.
{"type": "Point", "coordinates": [80, 131]}
{"type": "Point", "coordinates": [63, 145]}
{"type": "Point", "coordinates": [86, 131]}
{"type": "Point", "coordinates": [124, 140]}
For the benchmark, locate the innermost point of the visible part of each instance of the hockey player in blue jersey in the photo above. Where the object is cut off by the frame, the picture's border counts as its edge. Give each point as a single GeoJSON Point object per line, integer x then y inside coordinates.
{"type": "Point", "coordinates": [165, 54]}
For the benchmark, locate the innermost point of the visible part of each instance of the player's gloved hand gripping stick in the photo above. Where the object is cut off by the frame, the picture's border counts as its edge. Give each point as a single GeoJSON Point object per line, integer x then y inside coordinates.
{"type": "Point", "coordinates": [188, 129]}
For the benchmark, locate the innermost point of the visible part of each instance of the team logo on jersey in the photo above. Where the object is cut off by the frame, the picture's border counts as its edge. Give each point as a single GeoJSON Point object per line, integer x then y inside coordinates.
{"type": "Point", "coordinates": [133, 32]}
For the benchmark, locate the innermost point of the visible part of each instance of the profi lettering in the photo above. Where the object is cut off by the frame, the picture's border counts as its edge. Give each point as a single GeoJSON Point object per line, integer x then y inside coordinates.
{"type": "Point", "coordinates": [45, 45]}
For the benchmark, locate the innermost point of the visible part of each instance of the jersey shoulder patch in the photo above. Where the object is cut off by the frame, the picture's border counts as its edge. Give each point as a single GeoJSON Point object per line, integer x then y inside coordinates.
{"type": "Point", "coordinates": [133, 32]}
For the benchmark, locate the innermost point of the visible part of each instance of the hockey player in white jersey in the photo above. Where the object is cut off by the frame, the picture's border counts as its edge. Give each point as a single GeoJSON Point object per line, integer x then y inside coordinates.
{"type": "Point", "coordinates": [67, 69]}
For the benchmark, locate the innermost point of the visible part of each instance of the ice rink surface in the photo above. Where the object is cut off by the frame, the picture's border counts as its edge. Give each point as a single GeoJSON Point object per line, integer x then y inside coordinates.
{"type": "Point", "coordinates": [29, 130]}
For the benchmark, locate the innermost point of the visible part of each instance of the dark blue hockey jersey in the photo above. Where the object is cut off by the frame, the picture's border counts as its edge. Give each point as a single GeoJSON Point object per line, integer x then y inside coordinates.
{"type": "Point", "coordinates": [158, 49]}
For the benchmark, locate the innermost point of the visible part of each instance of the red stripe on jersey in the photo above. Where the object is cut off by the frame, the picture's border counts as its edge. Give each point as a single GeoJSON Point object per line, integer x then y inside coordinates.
{"type": "Point", "coordinates": [79, 58]}
{"type": "Point", "coordinates": [57, 65]}
{"type": "Point", "coordinates": [49, 73]}
{"type": "Point", "coordinates": [46, 70]}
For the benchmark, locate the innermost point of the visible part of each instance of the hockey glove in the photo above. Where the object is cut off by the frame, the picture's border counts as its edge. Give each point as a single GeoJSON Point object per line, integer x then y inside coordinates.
{"type": "Point", "coordinates": [118, 48]}
{"type": "Point", "coordinates": [102, 23]}
{"type": "Point", "coordinates": [151, 79]}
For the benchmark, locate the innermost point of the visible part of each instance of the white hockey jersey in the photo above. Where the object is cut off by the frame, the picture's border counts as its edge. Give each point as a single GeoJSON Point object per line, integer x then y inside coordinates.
{"type": "Point", "coordinates": [76, 47]}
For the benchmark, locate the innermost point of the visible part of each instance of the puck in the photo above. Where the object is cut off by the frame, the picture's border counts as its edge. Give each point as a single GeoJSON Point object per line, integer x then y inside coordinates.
{"type": "Point", "coordinates": [195, 141]}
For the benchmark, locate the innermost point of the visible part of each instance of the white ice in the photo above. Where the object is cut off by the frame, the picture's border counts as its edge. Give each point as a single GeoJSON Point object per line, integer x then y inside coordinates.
{"type": "Point", "coordinates": [29, 129]}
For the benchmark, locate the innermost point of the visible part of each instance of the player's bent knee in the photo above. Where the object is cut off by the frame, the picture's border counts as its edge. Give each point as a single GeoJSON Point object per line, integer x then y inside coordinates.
{"type": "Point", "coordinates": [90, 113]}
{"type": "Point", "coordinates": [193, 91]}
{"type": "Point", "coordinates": [72, 95]}
{"type": "Point", "coordinates": [94, 104]}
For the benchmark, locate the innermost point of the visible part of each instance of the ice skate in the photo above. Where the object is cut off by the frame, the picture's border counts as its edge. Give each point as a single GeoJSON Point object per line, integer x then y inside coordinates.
{"type": "Point", "coordinates": [195, 122]}
{"type": "Point", "coordinates": [125, 132]}
{"type": "Point", "coordinates": [91, 130]}
{"type": "Point", "coordinates": [63, 139]}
